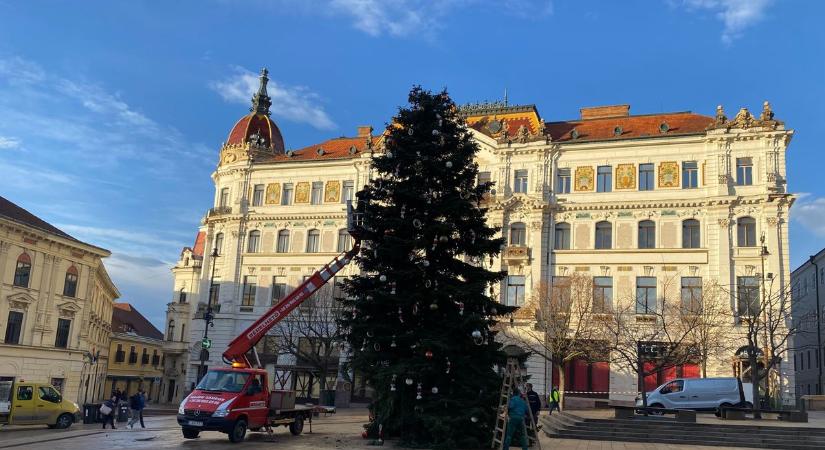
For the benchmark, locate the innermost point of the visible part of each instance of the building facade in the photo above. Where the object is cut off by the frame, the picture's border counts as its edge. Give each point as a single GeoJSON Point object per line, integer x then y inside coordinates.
{"type": "Point", "coordinates": [808, 291]}
{"type": "Point", "coordinates": [55, 306]}
{"type": "Point", "coordinates": [642, 203]}
{"type": "Point", "coordinates": [136, 354]}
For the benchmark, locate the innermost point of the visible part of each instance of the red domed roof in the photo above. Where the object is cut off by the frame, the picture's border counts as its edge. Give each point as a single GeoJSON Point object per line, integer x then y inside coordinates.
{"type": "Point", "coordinates": [258, 128]}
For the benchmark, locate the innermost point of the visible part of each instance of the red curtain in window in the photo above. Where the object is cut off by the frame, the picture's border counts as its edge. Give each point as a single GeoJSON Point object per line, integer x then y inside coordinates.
{"type": "Point", "coordinates": [600, 376]}
{"type": "Point", "coordinates": [652, 380]}
{"type": "Point", "coordinates": [668, 374]}
{"type": "Point", "coordinates": [555, 376]}
{"type": "Point", "coordinates": [690, 371]}
{"type": "Point", "coordinates": [581, 375]}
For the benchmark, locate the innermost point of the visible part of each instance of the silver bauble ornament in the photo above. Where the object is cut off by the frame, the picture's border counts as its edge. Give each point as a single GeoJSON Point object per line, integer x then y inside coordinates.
{"type": "Point", "coordinates": [383, 278]}
{"type": "Point", "coordinates": [409, 381]}
{"type": "Point", "coordinates": [449, 164]}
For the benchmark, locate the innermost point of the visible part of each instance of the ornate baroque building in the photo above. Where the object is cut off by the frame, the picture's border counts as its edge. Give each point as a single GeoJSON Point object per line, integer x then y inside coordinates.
{"type": "Point", "coordinates": [55, 306]}
{"type": "Point", "coordinates": [630, 200]}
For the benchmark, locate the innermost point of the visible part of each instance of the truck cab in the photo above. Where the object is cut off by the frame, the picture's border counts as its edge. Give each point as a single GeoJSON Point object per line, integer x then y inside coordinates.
{"type": "Point", "coordinates": [228, 400]}
{"type": "Point", "coordinates": [27, 403]}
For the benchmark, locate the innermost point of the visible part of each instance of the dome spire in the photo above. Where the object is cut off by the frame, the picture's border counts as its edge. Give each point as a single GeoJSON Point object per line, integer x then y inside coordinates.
{"type": "Point", "coordinates": [261, 101]}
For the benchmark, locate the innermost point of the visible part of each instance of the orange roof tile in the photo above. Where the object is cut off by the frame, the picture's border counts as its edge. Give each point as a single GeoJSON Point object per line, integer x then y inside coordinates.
{"type": "Point", "coordinates": [336, 148]}
{"type": "Point", "coordinates": [632, 127]}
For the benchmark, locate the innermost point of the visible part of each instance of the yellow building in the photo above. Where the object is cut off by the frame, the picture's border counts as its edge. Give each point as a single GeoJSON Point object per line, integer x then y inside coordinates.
{"type": "Point", "coordinates": [55, 306]}
{"type": "Point", "coordinates": [136, 351]}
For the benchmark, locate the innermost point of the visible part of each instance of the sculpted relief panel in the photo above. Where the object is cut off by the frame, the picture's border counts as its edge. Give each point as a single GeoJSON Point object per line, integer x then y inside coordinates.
{"type": "Point", "coordinates": [668, 174]}
{"type": "Point", "coordinates": [626, 176]}
{"type": "Point", "coordinates": [273, 193]}
{"type": "Point", "coordinates": [302, 192]}
{"type": "Point", "coordinates": [332, 192]}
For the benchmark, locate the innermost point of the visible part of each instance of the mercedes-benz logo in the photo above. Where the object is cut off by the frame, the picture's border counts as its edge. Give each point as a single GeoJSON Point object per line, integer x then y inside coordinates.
{"type": "Point", "coordinates": [197, 412]}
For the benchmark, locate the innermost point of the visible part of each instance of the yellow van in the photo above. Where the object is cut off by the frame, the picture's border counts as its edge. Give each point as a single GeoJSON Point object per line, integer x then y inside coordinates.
{"type": "Point", "coordinates": [25, 403]}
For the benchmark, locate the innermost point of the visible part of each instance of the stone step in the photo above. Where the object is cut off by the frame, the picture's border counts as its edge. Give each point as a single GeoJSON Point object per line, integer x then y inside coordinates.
{"type": "Point", "coordinates": [691, 436]}
{"type": "Point", "coordinates": [810, 433]}
{"type": "Point", "coordinates": [669, 424]}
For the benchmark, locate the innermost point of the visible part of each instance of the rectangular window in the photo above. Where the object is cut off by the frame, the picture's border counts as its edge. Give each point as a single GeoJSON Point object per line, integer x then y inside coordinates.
{"type": "Point", "coordinates": [604, 179]}
{"type": "Point", "coordinates": [14, 327]}
{"type": "Point", "coordinates": [70, 285]}
{"type": "Point", "coordinates": [250, 288]}
{"type": "Point", "coordinates": [744, 171]}
{"type": "Point", "coordinates": [133, 355]}
{"type": "Point", "coordinates": [58, 384]}
{"type": "Point", "coordinates": [317, 192]}
{"type": "Point", "coordinates": [348, 192]}
{"type": "Point", "coordinates": [286, 195]}
{"type": "Point", "coordinates": [747, 296]}
{"type": "Point", "coordinates": [646, 177]}
{"type": "Point", "coordinates": [563, 181]}
{"type": "Point", "coordinates": [515, 290]}
{"type": "Point", "coordinates": [22, 273]}
{"type": "Point", "coordinates": [690, 175]}
{"type": "Point", "coordinates": [338, 288]}
{"type": "Point", "coordinates": [223, 200]}
{"type": "Point", "coordinates": [602, 294]}
{"type": "Point", "coordinates": [258, 195]}
{"type": "Point", "coordinates": [62, 338]}
{"type": "Point", "coordinates": [313, 241]}
{"type": "Point", "coordinates": [120, 355]}
{"type": "Point", "coordinates": [283, 242]}
{"type": "Point", "coordinates": [645, 295]}
{"type": "Point", "coordinates": [692, 294]}
{"type": "Point", "coordinates": [520, 181]}
{"type": "Point", "coordinates": [144, 357]}
{"type": "Point", "coordinates": [344, 241]}
{"type": "Point", "coordinates": [278, 288]}
{"type": "Point", "coordinates": [561, 238]}
{"type": "Point", "coordinates": [560, 293]}
{"type": "Point", "coordinates": [214, 293]}
{"type": "Point", "coordinates": [484, 177]}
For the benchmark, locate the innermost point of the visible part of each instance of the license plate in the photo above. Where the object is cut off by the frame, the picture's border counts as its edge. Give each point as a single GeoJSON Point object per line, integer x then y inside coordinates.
{"type": "Point", "coordinates": [195, 423]}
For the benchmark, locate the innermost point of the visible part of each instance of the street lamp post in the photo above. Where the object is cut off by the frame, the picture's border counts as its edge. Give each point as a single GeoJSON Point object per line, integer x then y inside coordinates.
{"type": "Point", "coordinates": [208, 316]}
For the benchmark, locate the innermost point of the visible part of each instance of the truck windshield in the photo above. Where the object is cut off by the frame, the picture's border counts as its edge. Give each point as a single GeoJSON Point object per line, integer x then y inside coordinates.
{"type": "Point", "coordinates": [223, 381]}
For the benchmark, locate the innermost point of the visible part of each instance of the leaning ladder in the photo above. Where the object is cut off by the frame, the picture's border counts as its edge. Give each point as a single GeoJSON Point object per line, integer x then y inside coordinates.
{"type": "Point", "coordinates": [512, 378]}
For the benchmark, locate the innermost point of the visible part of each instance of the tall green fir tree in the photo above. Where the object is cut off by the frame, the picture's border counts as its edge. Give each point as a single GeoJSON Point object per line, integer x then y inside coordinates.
{"type": "Point", "coordinates": [420, 319]}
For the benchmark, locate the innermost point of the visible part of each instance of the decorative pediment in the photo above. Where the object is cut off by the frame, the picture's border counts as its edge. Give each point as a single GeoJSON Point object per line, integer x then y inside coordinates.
{"type": "Point", "coordinates": [744, 119]}
{"type": "Point", "coordinates": [20, 300]}
{"type": "Point", "coordinates": [68, 309]}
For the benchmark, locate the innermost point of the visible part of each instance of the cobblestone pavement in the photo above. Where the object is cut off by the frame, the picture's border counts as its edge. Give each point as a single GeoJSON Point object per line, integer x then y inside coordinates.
{"type": "Point", "coordinates": [339, 431]}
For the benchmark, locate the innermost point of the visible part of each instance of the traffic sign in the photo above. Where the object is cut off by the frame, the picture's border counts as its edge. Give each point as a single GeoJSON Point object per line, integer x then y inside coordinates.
{"type": "Point", "coordinates": [206, 343]}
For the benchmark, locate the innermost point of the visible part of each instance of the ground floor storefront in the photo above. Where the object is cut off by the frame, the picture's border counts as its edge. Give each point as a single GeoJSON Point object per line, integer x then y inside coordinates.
{"type": "Point", "coordinates": [73, 375]}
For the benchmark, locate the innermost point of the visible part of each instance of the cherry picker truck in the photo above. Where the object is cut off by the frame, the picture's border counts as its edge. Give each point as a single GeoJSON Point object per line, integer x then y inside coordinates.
{"type": "Point", "coordinates": [237, 397]}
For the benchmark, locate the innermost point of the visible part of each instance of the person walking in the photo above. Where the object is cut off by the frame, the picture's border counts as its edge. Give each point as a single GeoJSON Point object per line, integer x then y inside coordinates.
{"type": "Point", "coordinates": [136, 403]}
{"type": "Point", "coordinates": [516, 409]}
{"type": "Point", "coordinates": [554, 400]}
{"type": "Point", "coordinates": [108, 411]}
{"type": "Point", "coordinates": [534, 401]}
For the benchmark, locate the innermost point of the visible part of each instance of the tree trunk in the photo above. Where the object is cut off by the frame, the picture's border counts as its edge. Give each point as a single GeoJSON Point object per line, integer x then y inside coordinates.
{"type": "Point", "coordinates": [704, 367]}
{"type": "Point", "coordinates": [752, 360]}
{"type": "Point", "coordinates": [561, 387]}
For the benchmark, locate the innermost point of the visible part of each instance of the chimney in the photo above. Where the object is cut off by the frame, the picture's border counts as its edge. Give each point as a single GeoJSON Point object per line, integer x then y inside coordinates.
{"type": "Point", "coordinates": [601, 112]}
{"type": "Point", "coordinates": [364, 131]}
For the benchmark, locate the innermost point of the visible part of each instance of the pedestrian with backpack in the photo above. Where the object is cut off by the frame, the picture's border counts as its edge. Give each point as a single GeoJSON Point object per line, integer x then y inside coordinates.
{"type": "Point", "coordinates": [136, 403]}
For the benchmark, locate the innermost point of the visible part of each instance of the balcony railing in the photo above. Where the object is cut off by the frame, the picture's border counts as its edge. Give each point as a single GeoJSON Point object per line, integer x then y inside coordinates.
{"type": "Point", "coordinates": [516, 253]}
{"type": "Point", "coordinates": [219, 210]}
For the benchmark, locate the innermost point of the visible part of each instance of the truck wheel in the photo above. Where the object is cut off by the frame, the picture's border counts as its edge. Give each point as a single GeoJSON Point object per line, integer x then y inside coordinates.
{"type": "Point", "coordinates": [297, 427]}
{"type": "Point", "coordinates": [190, 433]}
{"type": "Point", "coordinates": [64, 421]}
{"type": "Point", "coordinates": [656, 405]}
{"type": "Point", "coordinates": [238, 432]}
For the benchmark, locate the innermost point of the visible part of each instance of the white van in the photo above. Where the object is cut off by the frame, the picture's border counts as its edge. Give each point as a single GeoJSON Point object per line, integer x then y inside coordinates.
{"type": "Point", "coordinates": [700, 394]}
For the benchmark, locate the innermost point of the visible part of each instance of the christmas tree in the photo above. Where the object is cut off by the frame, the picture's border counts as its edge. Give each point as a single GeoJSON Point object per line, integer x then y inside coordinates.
{"type": "Point", "coordinates": [420, 319]}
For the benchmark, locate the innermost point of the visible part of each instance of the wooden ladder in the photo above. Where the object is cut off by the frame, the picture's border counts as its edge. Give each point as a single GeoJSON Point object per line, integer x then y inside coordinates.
{"type": "Point", "coordinates": [512, 378]}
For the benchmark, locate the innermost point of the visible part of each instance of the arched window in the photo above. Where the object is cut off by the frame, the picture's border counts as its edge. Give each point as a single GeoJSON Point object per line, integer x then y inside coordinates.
{"type": "Point", "coordinates": [691, 234]}
{"type": "Point", "coordinates": [70, 284]}
{"type": "Point", "coordinates": [254, 244]}
{"type": "Point", "coordinates": [344, 240]}
{"type": "Point", "coordinates": [218, 243]}
{"type": "Point", "coordinates": [604, 235]}
{"type": "Point", "coordinates": [282, 245]}
{"type": "Point", "coordinates": [23, 271]}
{"type": "Point", "coordinates": [170, 334]}
{"type": "Point", "coordinates": [562, 236]}
{"type": "Point", "coordinates": [746, 232]}
{"type": "Point", "coordinates": [518, 234]}
{"type": "Point", "coordinates": [647, 234]}
{"type": "Point", "coordinates": [313, 241]}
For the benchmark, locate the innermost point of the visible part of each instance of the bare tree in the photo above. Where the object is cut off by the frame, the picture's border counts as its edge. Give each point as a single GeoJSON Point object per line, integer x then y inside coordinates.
{"type": "Point", "coordinates": [705, 314]}
{"type": "Point", "coordinates": [561, 323]}
{"type": "Point", "coordinates": [647, 333]}
{"type": "Point", "coordinates": [313, 336]}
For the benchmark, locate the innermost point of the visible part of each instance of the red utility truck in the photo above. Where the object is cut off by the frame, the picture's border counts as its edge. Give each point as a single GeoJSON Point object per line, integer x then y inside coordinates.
{"type": "Point", "coordinates": [237, 398]}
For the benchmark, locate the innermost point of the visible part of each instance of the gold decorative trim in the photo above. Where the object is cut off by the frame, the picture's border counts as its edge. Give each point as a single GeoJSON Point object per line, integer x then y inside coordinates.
{"type": "Point", "coordinates": [302, 192]}
{"type": "Point", "coordinates": [669, 174]}
{"type": "Point", "coordinates": [626, 176]}
{"type": "Point", "coordinates": [332, 192]}
{"type": "Point", "coordinates": [584, 178]}
{"type": "Point", "coordinates": [273, 193]}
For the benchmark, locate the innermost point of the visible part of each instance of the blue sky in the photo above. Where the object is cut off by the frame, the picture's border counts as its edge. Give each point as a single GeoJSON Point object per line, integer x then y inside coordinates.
{"type": "Point", "coordinates": [112, 113]}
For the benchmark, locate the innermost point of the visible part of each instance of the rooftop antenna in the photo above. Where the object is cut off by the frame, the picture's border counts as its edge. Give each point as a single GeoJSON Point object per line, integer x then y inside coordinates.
{"type": "Point", "coordinates": [505, 96]}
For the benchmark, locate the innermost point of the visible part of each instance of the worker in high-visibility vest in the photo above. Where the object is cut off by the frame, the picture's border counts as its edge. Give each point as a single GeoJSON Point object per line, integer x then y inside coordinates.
{"type": "Point", "coordinates": [516, 409]}
{"type": "Point", "coordinates": [553, 401]}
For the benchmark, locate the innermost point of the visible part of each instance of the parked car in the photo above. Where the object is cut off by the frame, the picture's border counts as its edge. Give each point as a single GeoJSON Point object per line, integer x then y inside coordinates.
{"type": "Point", "coordinates": [700, 394]}
{"type": "Point", "coordinates": [26, 403]}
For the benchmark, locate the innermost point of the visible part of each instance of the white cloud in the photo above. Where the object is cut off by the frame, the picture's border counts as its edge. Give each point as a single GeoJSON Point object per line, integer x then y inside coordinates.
{"type": "Point", "coordinates": [9, 143]}
{"type": "Point", "coordinates": [737, 15]}
{"type": "Point", "coordinates": [809, 211]}
{"type": "Point", "coordinates": [295, 103]}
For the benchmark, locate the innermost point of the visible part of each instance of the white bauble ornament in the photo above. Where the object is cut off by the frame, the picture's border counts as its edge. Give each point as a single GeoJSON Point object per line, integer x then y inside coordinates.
{"type": "Point", "coordinates": [435, 133]}
{"type": "Point", "coordinates": [425, 263]}
{"type": "Point", "coordinates": [474, 419]}
{"type": "Point", "coordinates": [449, 164]}
{"type": "Point", "coordinates": [409, 381]}
{"type": "Point", "coordinates": [476, 334]}
{"type": "Point", "coordinates": [434, 390]}
{"type": "Point", "coordinates": [383, 278]}
{"type": "Point", "coordinates": [410, 131]}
